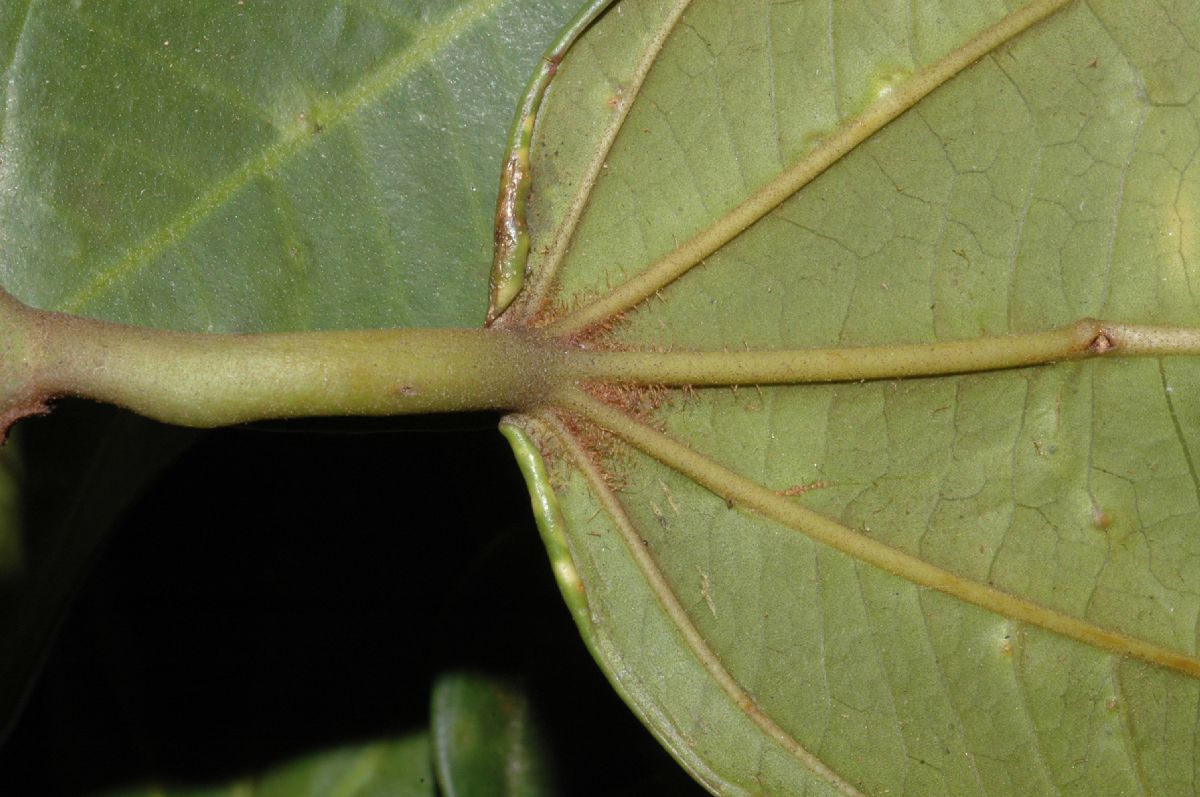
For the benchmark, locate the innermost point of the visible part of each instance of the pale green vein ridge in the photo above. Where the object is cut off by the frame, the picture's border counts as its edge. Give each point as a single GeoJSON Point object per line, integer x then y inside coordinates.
{"type": "Point", "coordinates": [161, 58]}
{"type": "Point", "coordinates": [16, 41]}
{"type": "Point", "coordinates": [369, 90]}
{"type": "Point", "coordinates": [1184, 448]}
{"type": "Point", "coordinates": [678, 616]}
{"type": "Point", "coordinates": [853, 131]}
{"type": "Point", "coordinates": [385, 12]}
{"type": "Point", "coordinates": [177, 172]}
{"type": "Point", "coordinates": [750, 495]}
{"type": "Point", "coordinates": [1036, 739]}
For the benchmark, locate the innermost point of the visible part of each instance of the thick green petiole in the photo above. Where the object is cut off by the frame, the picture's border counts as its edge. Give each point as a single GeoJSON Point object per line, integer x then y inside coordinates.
{"type": "Point", "coordinates": [206, 380]}
{"type": "Point", "coordinates": [210, 380]}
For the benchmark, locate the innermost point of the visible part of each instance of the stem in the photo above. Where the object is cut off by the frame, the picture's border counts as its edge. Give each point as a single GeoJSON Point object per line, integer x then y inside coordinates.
{"type": "Point", "coordinates": [212, 380]}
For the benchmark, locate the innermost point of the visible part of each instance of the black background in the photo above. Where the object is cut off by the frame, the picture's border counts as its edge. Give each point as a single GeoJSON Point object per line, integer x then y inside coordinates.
{"type": "Point", "coordinates": [281, 590]}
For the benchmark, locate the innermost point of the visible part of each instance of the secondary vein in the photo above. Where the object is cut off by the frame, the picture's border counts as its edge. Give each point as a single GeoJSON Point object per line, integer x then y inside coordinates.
{"type": "Point", "coordinates": [852, 132]}
{"type": "Point", "coordinates": [750, 495]}
{"type": "Point", "coordinates": [1086, 338]}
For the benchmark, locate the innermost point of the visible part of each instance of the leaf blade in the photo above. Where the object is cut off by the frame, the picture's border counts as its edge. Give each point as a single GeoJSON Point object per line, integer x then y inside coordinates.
{"type": "Point", "coordinates": [976, 213]}
{"type": "Point", "coordinates": [227, 169]}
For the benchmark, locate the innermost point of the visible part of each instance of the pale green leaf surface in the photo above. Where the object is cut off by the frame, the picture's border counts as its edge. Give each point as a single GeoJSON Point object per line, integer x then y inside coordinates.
{"type": "Point", "coordinates": [1054, 179]}
{"type": "Point", "coordinates": [392, 768]}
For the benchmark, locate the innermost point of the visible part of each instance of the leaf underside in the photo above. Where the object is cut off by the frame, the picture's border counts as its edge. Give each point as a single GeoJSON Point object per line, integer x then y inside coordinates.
{"type": "Point", "coordinates": [1054, 179]}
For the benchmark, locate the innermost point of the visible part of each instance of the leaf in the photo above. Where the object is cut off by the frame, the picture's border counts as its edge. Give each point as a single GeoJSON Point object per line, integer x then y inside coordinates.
{"type": "Point", "coordinates": [486, 740]}
{"type": "Point", "coordinates": [227, 167]}
{"type": "Point", "coordinates": [978, 583]}
{"type": "Point", "coordinates": [394, 767]}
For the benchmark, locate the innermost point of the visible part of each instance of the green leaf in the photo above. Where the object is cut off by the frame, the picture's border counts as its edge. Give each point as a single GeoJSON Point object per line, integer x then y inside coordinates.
{"type": "Point", "coordinates": [394, 767]}
{"type": "Point", "coordinates": [965, 584]}
{"type": "Point", "coordinates": [230, 167]}
{"type": "Point", "coordinates": [486, 740]}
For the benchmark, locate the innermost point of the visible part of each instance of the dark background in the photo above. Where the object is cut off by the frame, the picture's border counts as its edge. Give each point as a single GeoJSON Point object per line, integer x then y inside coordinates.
{"type": "Point", "coordinates": [285, 589]}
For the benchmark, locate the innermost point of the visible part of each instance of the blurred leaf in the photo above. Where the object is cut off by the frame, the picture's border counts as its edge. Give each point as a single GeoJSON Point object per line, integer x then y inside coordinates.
{"type": "Point", "coordinates": [486, 740]}
{"type": "Point", "coordinates": [393, 768]}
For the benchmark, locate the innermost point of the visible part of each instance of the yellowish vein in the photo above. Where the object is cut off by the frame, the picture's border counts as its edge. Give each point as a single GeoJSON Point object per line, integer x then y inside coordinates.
{"type": "Point", "coordinates": [752, 496]}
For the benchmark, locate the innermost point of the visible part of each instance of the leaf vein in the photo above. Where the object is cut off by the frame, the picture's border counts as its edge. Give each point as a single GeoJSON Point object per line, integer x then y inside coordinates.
{"type": "Point", "coordinates": [1014, 661]}
{"type": "Point", "coordinates": [848, 135]}
{"type": "Point", "coordinates": [543, 280]}
{"type": "Point", "coordinates": [1128, 737]}
{"type": "Point", "coordinates": [731, 485]}
{"type": "Point", "coordinates": [968, 753]}
{"type": "Point", "coordinates": [22, 29]}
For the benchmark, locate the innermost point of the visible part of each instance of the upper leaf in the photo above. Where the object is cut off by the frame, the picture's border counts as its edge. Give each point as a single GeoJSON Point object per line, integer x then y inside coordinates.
{"type": "Point", "coordinates": [229, 167]}
{"type": "Point", "coordinates": [945, 621]}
